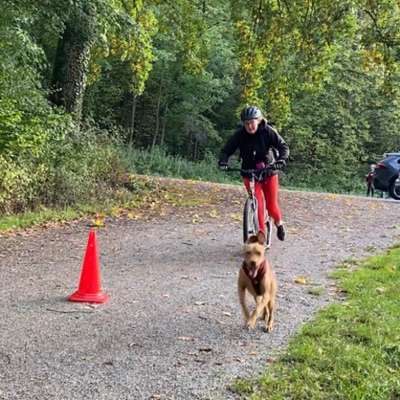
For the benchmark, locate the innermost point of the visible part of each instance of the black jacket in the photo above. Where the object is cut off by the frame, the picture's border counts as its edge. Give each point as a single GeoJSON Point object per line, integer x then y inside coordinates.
{"type": "Point", "coordinates": [255, 148]}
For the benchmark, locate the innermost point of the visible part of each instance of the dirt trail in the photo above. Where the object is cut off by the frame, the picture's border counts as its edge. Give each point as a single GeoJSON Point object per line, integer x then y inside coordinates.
{"type": "Point", "coordinates": [172, 328]}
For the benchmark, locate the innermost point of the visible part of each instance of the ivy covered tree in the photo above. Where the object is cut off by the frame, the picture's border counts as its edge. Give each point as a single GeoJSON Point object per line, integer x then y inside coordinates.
{"type": "Point", "coordinates": [175, 75]}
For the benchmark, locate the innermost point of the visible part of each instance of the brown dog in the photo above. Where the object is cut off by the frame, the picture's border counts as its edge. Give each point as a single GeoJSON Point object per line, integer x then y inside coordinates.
{"type": "Point", "coordinates": [256, 276]}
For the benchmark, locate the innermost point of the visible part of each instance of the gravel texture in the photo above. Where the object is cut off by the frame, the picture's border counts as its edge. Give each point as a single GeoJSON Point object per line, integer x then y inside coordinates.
{"type": "Point", "coordinates": [172, 328]}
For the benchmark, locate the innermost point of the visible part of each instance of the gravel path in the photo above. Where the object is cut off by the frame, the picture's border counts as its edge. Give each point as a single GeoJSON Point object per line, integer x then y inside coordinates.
{"type": "Point", "coordinates": [172, 328]}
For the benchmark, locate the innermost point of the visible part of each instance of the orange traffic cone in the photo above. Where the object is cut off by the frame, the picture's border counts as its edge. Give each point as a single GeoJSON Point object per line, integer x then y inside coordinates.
{"type": "Point", "coordinates": [89, 290]}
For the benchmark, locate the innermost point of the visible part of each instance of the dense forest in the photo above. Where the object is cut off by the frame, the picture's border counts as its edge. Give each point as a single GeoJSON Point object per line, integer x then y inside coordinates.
{"type": "Point", "coordinates": [87, 84]}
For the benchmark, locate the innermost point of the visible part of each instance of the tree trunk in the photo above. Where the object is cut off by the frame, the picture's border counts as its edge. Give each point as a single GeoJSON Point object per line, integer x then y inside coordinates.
{"type": "Point", "coordinates": [163, 127]}
{"type": "Point", "coordinates": [72, 60]}
{"type": "Point", "coordinates": [133, 114]}
{"type": "Point", "coordinates": [189, 148]}
{"type": "Point", "coordinates": [157, 128]}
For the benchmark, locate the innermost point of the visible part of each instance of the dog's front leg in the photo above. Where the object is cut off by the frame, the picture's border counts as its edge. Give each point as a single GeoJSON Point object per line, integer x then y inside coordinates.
{"type": "Point", "coordinates": [257, 312]}
{"type": "Point", "coordinates": [269, 322]}
{"type": "Point", "coordinates": [242, 300]}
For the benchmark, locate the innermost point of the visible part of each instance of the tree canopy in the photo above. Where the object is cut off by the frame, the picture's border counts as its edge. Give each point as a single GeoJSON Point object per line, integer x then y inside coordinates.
{"type": "Point", "coordinates": [176, 74]}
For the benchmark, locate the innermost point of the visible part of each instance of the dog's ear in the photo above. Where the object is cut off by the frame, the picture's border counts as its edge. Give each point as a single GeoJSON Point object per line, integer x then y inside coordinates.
{"type": "Point", "coordinates": [260, 237]}
{"type": "Point", "coordinates": [252, 239]}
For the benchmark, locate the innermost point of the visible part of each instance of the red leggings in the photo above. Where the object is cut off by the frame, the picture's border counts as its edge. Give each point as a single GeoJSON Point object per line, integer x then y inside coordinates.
{"type": "Point", "coordinates": [267, 190]}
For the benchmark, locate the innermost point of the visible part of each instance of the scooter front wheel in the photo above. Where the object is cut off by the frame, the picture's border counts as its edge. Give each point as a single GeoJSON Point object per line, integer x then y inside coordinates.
{"type": "Point", "coordinates": [268, 231]}
{"type": "Point", "coordinates": [250, 219]}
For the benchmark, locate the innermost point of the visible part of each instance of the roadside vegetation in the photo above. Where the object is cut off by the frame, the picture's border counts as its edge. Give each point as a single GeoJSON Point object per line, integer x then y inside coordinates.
{"type": "Point", "coordinates": [99, 176]}
{"type": "Point", "coordinates": [351, 349]}
{"type": "Point", "coordinates": [92, 91]}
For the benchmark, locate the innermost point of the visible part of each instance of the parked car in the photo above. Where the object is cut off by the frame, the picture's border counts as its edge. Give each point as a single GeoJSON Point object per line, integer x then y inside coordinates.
{"type": "Point", "coordinates": [387, 175]}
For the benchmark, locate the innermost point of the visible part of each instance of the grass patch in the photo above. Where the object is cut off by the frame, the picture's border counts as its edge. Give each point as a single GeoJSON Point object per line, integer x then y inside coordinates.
{"type": "Point", "coordinates": [351, 350]}
{"type": "Point", "coordinates": [159, 162]}
{"type": "Point", "coordinates": [25, 220]}
{"type": "Point", "coordinates": [135, 192]}
{"type": "Point", "coordinates": [139, 197]}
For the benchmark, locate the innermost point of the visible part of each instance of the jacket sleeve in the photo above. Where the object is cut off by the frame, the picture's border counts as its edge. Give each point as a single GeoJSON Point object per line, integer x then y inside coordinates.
{"type": "Point", "coordinates": [230, 147]}
{"type": "Point", "coordinates": [279, 144]}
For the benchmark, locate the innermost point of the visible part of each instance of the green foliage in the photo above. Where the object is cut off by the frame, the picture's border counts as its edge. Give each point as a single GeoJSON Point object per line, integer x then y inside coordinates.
{"type": "Point", "coordinates": [158, 162]}
{"type": "Point", "coordinates": [69, 170]}
{"type": "Point", "coordinates": [342, 127]}
{"type": "Point", "coordinates": [86, 167]}
{"type": "Point", "coordinates": [128, 38]}
{"type": "Point", "coordinates": [175, 75]}
{"type": "Point", "coordinates": [350, 350]}
{"type": "Point", "coordinates": [283, 47]}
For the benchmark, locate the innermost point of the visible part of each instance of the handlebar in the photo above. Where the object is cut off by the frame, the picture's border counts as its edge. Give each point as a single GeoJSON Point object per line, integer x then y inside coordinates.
{"type": "Point", "coordinates": [258, 174]}
{"type": "Point", "coordinates": [252, 171]}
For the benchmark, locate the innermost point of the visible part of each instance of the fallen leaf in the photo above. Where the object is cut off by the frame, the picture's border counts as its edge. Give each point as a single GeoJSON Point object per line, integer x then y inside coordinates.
{"type": "Point", "coordinates": [213, 214]}
{"type": "Point", "coordinates": [115, 211]}
{"type": "Point", "coordinates": [196, 219]}
{"type": "Point", "coordinates": [300, 280]}
{"type": "Point", "coordinates": [133, 216]}
{"type": "Point", "coordinates": [236, 217]}
{"type": "Point", "coordinates": [98, 221]}
{"type": "Point", "coordinates": [228, 314]}
{"type": "Point", "coordinates": [331, 197]}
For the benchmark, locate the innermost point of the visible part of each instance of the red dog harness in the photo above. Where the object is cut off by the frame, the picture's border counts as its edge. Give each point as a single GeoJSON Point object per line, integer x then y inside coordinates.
{"type": "Point", "coordinates": [259, 276]}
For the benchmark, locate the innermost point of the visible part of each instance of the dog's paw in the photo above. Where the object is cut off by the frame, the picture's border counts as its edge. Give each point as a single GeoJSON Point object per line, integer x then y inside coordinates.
{"type": "Point", "coordinates": [251, 324]}
{"type": "Point", "coordinates": [269, 327]}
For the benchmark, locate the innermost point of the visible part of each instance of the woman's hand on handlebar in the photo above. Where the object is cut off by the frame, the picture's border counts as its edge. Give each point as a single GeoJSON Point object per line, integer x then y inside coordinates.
{"type": "Point", "coordinates": [222, 165]}
{"type": "Point", "coordinates": [279, 164]}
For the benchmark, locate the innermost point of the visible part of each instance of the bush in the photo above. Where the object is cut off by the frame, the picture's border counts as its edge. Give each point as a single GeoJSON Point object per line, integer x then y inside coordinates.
{"type": "Point", "coordinates": [159, 162]}
{"type": "Point", "coordinates": [86, 167]}
{"type": "Point", "coordinates": [67, 169]}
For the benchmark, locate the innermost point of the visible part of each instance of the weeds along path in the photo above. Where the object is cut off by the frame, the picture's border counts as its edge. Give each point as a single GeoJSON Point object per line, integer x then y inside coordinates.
{"type": "Point", "coordinates": [172, 328]}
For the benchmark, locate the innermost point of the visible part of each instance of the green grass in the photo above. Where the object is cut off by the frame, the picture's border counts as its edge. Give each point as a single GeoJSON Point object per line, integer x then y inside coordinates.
{"type": "Point", "coordinates": [158, 162]}
{"type": "Point", "coordinates": [351, 350]}
{"type": "Point", "coordinates": [47, 215]}
{"type": "Point", "coordinates": [34, 218]}
{"type": "Point", "coordinates": [124, 198]}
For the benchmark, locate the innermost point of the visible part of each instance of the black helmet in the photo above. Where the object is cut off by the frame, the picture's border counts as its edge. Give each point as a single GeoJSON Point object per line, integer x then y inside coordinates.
{"type": "Point", "coordinates": [250, 112]}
